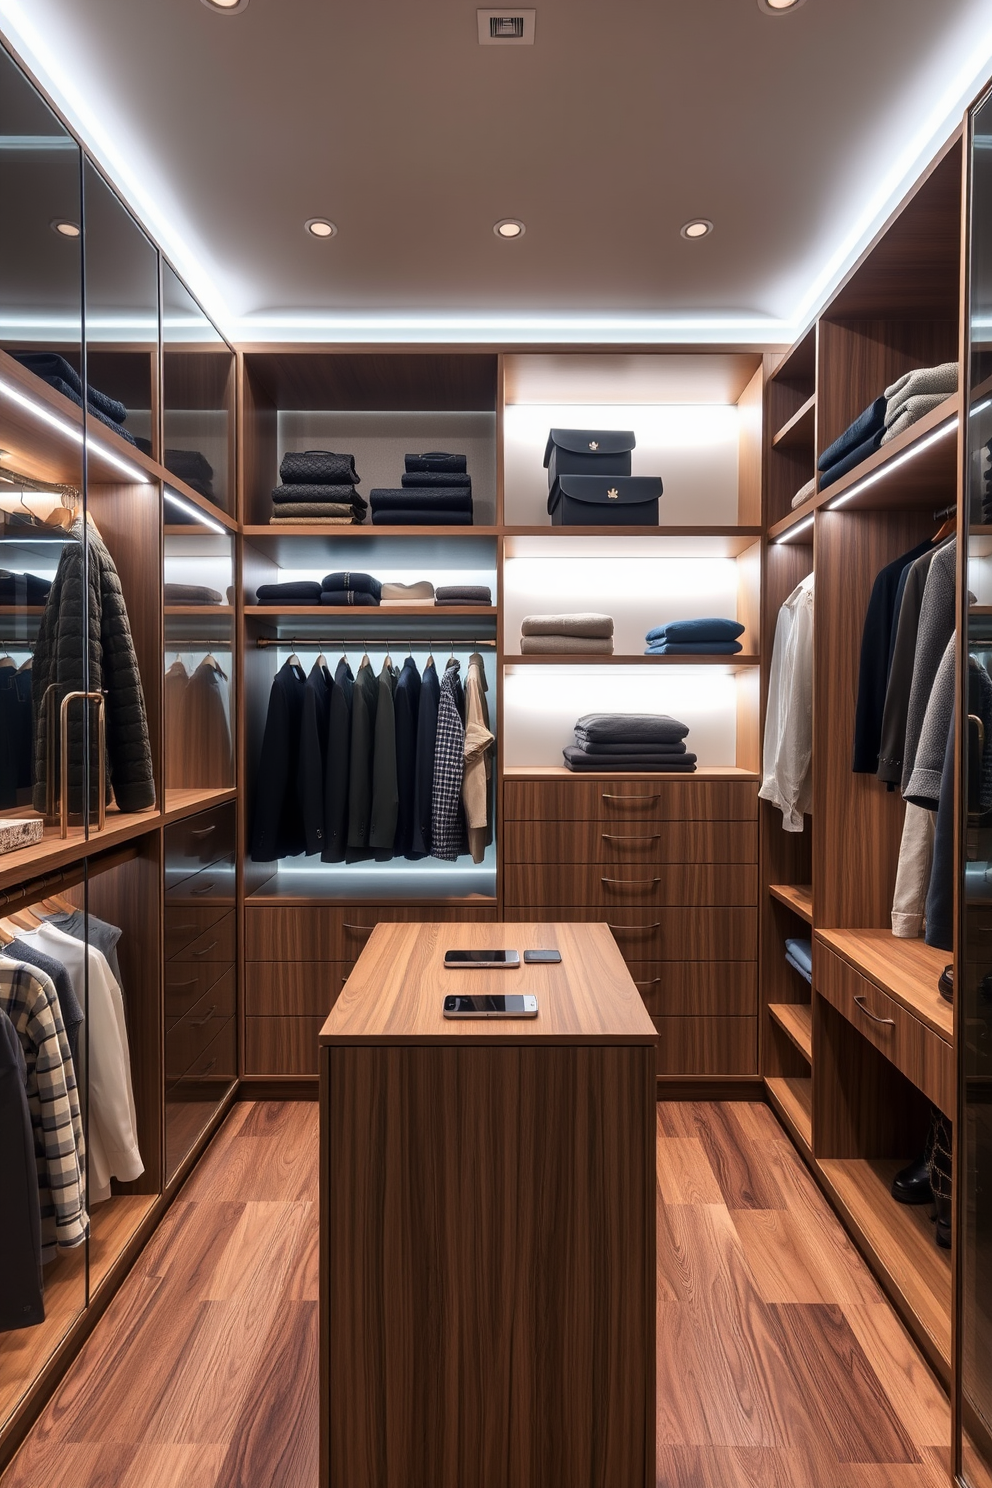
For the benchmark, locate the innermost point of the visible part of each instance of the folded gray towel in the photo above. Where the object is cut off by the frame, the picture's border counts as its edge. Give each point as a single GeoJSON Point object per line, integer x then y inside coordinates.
{"type": "Point", "coordinates": [663, 751]}
{"type": "Point", "coordinates": [587, 624]}
{"type": "Point", "coordinates": [191, 594]}
{"type": "Point", "coordinates": [804, 492]}
{"type": "Point", "coordinates": [316, 509]}
{"type": "Point", "coordinates": [623, 728]}
{"type": "Point", "coordinates": [420, 593]}
{"type": "Point", "coordinates": [318, 467]}
{"type": "Point", "coordinates": [942, 379]}
{"type": "Point", "coordinates": [907, 413]}
{"type": "Point", "coordinates": [463, 594]}
{"type": "Point", "coordinates": [578, 645]}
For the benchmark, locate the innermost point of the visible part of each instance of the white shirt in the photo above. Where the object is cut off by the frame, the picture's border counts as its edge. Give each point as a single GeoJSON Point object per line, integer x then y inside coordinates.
{"type": "Point", "coordinates": [786, 775]}
{"type": "Point", "coordinates": [113, 1138]}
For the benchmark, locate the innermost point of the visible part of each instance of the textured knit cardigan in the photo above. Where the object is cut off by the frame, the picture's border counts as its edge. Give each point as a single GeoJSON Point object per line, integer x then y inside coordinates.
{"type": "Point", "coordinates": [80, 592]}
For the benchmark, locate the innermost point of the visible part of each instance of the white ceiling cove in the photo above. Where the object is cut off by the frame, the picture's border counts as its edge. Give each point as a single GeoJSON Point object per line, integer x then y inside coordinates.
{"type": "Point", "coordinates": [794, 134]}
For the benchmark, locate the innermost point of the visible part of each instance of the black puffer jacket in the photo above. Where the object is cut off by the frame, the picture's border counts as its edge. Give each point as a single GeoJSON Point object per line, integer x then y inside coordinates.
{"type": "Point", "coordinates": [113, 670]}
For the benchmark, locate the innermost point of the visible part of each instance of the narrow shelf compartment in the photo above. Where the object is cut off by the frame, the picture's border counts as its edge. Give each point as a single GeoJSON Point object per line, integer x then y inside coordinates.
{"type": "Point", "coordinates": [792, 1097]}
{"type": "Point", "coordinates": [907, 969]}
{"type": "Point", "coordinates": [797, 432]}
{"type": "Point", "coordinates": [900, 1237]}
{"type": "Point", "coordinates": [797, 897]}
{"type": "Point", "coordinates": [796, 1021]}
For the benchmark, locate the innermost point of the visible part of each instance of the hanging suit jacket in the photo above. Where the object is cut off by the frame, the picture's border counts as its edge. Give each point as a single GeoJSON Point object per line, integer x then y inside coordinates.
{"type": "Point", "coordinates": [277, 831]}
{"type": "Point", "coordinates": [364, 703]}
{"type": "Point", "coordinates": [421, 835]}
{"type": "Point", "coordinates": [337, 776]}
{"type": "Point", "coordinates": [447, 822]}
{"type": "Point", "coordinates": [21, 1299]}
{"type": "Point", "coordinates": [206, 730]}
{"type": "Point", "coordinates": [385, 798]}
{"type": "Point", "coordinates": [312, 771]}
{"type": "Point", "coordinates": [407, 706]}
{"type": "Point", "coordinates": [176, 684]}
{"type": "Point", "coordinates": [478, 758]}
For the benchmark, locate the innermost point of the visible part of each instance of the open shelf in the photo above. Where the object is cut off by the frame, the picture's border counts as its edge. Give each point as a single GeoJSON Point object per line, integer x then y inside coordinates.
{"type": "Point", "coordinates": [900, 1238]}
{"type": "Point", "coordinates": [907, 969]}
{"type": "Point", "coordinates": [574, 658]}
{"type": "Point", "coordinates": [712, 541]}
{"type": "Point", "coordinates": [183, 801]}
{"type": "Point", "coordinates": [195, 609]}
{"type": "Point", "coordinates": [797, 433]}
{"type": "Point", "coordinates": [792, 1098]}
{"type": "Point", "coordinates": [329, 613]}
{"type": "Point", "coordinates": [363, 529]}
{"type": "Point", "coordinates": [52, 852]}
{"type": "Point", "coordinates": [796, 1021]}
{"type": "Point", "coordinates": [797, 897]}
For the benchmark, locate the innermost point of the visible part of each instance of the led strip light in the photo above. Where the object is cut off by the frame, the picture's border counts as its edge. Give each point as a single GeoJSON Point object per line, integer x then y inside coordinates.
{"type": "Point", "coordinates": [42, 413]}
{"type": "Point", "coordinates": [194, 511]}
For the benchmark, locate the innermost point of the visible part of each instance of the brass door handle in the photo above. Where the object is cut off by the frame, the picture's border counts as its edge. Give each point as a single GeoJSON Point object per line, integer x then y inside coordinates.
{"type": "Point", "coordinates": [608, 797]}
{"type": "Point", "coordinates": [863, 1005]}
{"type": "Point", "coordinates": [631, 883]}
{"type": "Point", "coordinates": [640, 837]}
{"type": "Point", "coordinates": [200, 1022]}
{"type": "Point", "coordinates": [206, 950]}
{"type": "Point", "coordinates": [655, 925]}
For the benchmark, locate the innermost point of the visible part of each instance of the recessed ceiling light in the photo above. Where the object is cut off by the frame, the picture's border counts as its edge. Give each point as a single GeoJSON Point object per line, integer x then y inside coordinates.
{"type": "Point", "coordinates": [779, 7]}
{"type": "Point", "coordinates": [509, 227]}
{"type": "Point", "coordinates": [319, 227]}
{"type": "Point", "coordinates": [226, 7]}
{"type": "Point", "coordinates": [699, 227]}
{"type": "Point", "coordinates": [65, 228]}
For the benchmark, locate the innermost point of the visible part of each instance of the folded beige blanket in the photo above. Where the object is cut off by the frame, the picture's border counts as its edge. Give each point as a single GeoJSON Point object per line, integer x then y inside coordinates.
{"type": "Point", "coordinates": [422, 592]}
{"type": "Point", "coordinates": [804, 492]}
{"type": "Point", "coordinates": [907, 413]}
{"type": "Point", "coordinates": [580, 645]}
{"type": "Point", "coordinates": [567, 625]}
{"type": "Point", "coordinates": [942, 379]}
{"type": "Point", "coordinates": [313, 522]}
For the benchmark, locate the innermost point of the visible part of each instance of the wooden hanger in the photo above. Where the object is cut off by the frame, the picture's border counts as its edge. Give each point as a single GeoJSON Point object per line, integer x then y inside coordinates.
{"type": "Point", "coordinates": [7, 932]}
{"type": "Point", "coordinates": [26, 919]}
{"type": "Point", "coordinates": [58, 904]}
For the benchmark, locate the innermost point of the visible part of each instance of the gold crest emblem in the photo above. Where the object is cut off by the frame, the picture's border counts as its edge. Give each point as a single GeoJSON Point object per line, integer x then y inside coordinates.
{"type": "Point", "coordinates": [594, 444]}
{"type": "Point", "coordinates": [613, 494]}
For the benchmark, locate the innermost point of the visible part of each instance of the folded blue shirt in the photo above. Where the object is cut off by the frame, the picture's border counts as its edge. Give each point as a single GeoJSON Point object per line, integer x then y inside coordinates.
{"type": "Point", "coordinates": [801, 969]}
{"type": "Point", "coordinates": [693, 648]}
{"type": "Point", "coordinates": [866, 424]}
{"type": "Point", "coordinates": [801, 953]}
{"type": "Point", "coordinates": [710, 629]}
{"type": "Point", "coordinates": [854, 457]}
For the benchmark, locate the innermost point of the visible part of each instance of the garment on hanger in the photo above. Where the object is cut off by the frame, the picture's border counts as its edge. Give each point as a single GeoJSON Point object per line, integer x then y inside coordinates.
{"type": "Point", "coordinates": [93, 931]}
{"type": "Point", "coordinates": [72, 1014]}
{"type": "Point", "coordinates": [22, 1302]}
{"type": "Point", "coordinates": [206, 728]}
{"type": "Point", "coordinates": [421, 832]}
{"type": "Point", "coordinates": [913, 872]}
{"type": "Point", "coordinates": [176, 683]}
{"type": "Point", "coordinates": [406, 702]}
{"type": "Point", "coordinates": [788, 745]}
{"type": "Point", "coordinates": [385, 793]}
{"type": "Point", "coordinates": [338, 772]}
{"type": "Point", "coordinates": [312, 773]}
{"type": "Point", "coordinates": [30, 1002]}
{"type": "Point", "coordinates": [447, 829]}
{"type": "Point", "coordinates": [477, 770]}
{"type": "Point", "coordinates": [937, 614]}
{"type": "Point", "coordinates": [277, 831]}
{"type": "Point", "coordinates": [364, 703]}
{"type": "Point", "coordinates": [902, 655]}
{"type": "Point", "coordinates": [15, 737]}
{"type": "Point", "coordinates": [873, 671]}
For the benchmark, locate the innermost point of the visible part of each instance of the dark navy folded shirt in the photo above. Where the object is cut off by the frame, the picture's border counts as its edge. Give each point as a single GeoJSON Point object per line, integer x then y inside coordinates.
{"type": "Point", "coordinates": [852, 458]}
{"type": "Point", "coordinates": [864, 426]}
{"type": "Point", "coordinates": [708, 629]}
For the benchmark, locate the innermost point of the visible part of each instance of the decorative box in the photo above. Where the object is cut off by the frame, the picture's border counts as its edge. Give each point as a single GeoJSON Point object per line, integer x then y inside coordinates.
{"type": "Point", "coordinates": [588, 452]}
{"type": "Point", "coordinates": [599, 501]}
{"type": "Point", "coordinates": [20, 831]}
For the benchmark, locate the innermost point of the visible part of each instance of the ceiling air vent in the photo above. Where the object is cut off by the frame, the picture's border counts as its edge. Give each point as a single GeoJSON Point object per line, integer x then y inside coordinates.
{"type": "Point", "coordinates": [506, 27]}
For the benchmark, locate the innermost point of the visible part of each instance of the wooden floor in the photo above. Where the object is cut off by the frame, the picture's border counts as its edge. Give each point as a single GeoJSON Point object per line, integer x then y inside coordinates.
{"type": "Point", "coordinates": [780, 1364]}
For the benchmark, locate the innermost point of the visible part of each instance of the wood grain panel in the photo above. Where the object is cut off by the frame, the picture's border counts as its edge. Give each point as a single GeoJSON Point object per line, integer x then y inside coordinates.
{"type": "Point", "coordinates": [611, 885]}
{"type": "Point", "coordinates": [697, 988]}
{"type": "Point", "coordinates": [749, 405]}
{"type": "Point", "coordinates": [333, 932]}
{"type": "Point", "coordinates": [294, 988]}
{"type": "Point", "coordinates": [668, 934]}
{"type": "Point", "coordinates": [685, 799]}
{"type": "Point", "coordinates": [553, 841]}
{"type": "Point", "coordinates": [186, 984]}
{"type": "Point", "coordinates": [186, 925]}
{"type": "Point", "coordinates": [707, 1046]}
{"type": "Point", "coordinates": [518, 1341]}
{"type": "Point", "coordinates": [281, 1046]}
{"type": "Point", "coordinates": [863, 1106]}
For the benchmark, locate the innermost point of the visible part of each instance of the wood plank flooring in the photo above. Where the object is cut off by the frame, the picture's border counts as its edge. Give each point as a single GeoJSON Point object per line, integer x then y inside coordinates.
{"type": "Point", "coordinates": [781, 1364]}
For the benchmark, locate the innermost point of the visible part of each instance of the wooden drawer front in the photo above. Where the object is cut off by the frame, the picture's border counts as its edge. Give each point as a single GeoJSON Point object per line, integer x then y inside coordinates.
{"type": "Point", "coordinates": [187, 1039]}
{"type": "Point", "coordinates": [185, 924]}
{"type": "Point", "coordinates": [684, 799]}
{"type": "Point", "coordinates": [217, 943]}
{"type": "Point", "coordinates": [595, 884]}
{"type": "Point", "coordinates": [195, 841]}
{"type": "Point", "coordinates": [216, 883]}
{"type": "Point", "coordinates": [219, 1060]}
{"type": "Point", "coordinates": [296, 989]}
{"type": "Point", "coordinates": [697, 988]}
{"type": "Point", "coordinates": [922, 1056]}
{"type": "Point", "coordinates": [666, 934]}
{"type": "Point", "coordinates": [188, 982]}
{"type": "Point", "coordinates": [332, 933]}
{"type": "Point", "coordinates": [630, 842]}
{"type": "Point", "coordinates": [216, 989]}
{"type": "Point", "coordinates": [707, 1046]}
{"type": "Point", "coordinates": [281, 1046]}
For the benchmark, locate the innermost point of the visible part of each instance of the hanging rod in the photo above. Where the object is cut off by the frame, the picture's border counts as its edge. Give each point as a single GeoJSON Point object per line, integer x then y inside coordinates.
{"type": "Point", "coordinates": [948, 511]}
{"type": "Point", "coordinates": [383, 643]}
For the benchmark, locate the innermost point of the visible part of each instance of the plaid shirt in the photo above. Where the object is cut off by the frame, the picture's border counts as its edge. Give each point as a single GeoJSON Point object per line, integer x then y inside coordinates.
{"type": "Point", "coordinates": [29, 999]}
{"type": "Point", "coordinates": [449, 767]}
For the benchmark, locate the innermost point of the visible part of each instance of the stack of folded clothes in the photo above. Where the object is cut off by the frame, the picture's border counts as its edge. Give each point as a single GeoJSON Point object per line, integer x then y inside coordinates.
{"type": "Point", "coordinates": [23, 588]}
{"type": "Point", "coordinates": [420, 593]}
{"type": "Point", "coordinates": [858, 441]}
{"type": "Point", "coordinates": [189, 466]}
{"type": "Point", "coordinates": [298, 592]}
{"type": "Point", "coordinates": [63, 377]}
{"type": "Point", "coordinates": [343, 589]}
{"type": "Point", "coordinates": [915, 394]}
{"type": "Point", "coordinates": [799, 953]}
{"type": "Point", "coordinates": [435, 491]}
{"type": "Point", "coordinates": [804, 492]}
{"type": "Point", "coordinates": [463, 594]}
{"type": "Point", "coordinates": [317, 486]}
{"type": "Point", "coordinates": [192, 594]}
{"type": "Point", "coordinates": [709, 637]}
{"type": "Point", "coordinates": [587, 634]}
{"type": "Point", "coordinates": [630, 741]}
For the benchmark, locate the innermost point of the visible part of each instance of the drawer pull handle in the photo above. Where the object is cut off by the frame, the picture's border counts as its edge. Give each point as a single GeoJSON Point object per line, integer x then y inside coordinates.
{"type": "Point", "coordinates": [205, 889]}
{"type": "Point", "coordinates": [631, 883]}
{"type": "Point", "coordinates": [180, 929]}
{"type": "Point", "coordinates": [655, 797]}
{"type": "Point", "coordinates": [863, 1005]}
{"type": "Point", "coordinates": [362, 929]}
{"type": "Point", "coordinates": [655, 925]}
{"type": "Point", "coordinates": [174, 986]}
{"type": "Point", "coordinates": [203, 832]}
{"type": "Point", "coordinates": [652, 983]}
{"type": "Point", "coordinates": [640, 837]}
{"type": "Point", "coordinates": [206, 950]}
{"type": "Point", "coordinates": [201, 1022]}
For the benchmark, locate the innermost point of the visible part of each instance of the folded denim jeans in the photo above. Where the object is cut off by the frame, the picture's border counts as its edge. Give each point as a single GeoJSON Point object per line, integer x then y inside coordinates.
{"type": "Point", "coordinates": [864, 426]}
{"type": "Point", "coordinates": [852, 458]}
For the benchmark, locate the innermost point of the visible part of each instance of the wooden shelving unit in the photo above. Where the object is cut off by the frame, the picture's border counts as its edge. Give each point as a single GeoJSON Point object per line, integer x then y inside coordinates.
{"type": "Point", "coordinates": [796, 1021]}
{"type": "Point", "coordinates": [573, 658]}
{"type": "Point", "coordinates": [798, 431]}
{"type": "Point", "coordinates": [797, 897]}
{"type": "Point", "coordinates": [791, 1096]}
{"type": "Point", "coordinates": [907, 970]}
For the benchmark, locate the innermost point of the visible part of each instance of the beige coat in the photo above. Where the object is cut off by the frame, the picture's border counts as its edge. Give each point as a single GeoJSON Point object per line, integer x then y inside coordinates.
{"type": "Point", "coordinates": [478, 758]}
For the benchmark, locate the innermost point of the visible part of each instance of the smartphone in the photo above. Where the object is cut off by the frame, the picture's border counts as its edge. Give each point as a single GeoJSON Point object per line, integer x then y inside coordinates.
{"type": "Point", "coordinates": [469, 959]}
{"type": "Point", "coordinates": [542, 958]}
{"type": "Point", "coordinates": [513, 1005]}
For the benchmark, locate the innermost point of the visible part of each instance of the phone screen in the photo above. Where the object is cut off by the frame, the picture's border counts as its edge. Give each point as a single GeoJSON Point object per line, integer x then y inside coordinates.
{"type": "Point", "coordinates": [513, 1003]}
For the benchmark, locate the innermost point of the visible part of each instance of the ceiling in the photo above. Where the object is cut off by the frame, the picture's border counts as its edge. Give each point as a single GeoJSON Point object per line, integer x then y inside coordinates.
{"type": "Point", "coordinates": [794, 134]}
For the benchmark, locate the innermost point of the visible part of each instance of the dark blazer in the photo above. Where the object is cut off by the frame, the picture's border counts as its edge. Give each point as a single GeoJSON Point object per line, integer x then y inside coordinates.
{"type": "Point", "coordinates": [407, 705]}
{"type": "Point", "coordinates": [874, 669]}
{"type": "Point", "coordinates": [385, 799]}
{"type": "Point", "coordinates": [277, 831]}
{"type": "Point", "coordinates": [338, 762]}
{"type": "Point", "coordinates": [364, 703]}
{"type": "Point", "coordinates": [21, 1300]}
{"type": "Point", "coordinates": [312, 770]}
{"type": "Point", "coordinates": [423, 783]}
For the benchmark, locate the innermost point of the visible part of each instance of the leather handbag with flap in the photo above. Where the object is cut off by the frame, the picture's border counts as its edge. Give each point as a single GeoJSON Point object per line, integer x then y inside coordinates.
{"type": "Point", "coordinates": [588, 452]}
{"type": "Point", "coordinates": [599, 501]}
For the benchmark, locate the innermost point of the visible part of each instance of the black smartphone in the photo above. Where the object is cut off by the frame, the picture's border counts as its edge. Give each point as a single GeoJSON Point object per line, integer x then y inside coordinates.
{"type": "Point", "coordinates": [463, 960]}
{"type": "Point", "coordinates": [542, 958]}
{"type": "Point", "coordinates": [513, 1005]}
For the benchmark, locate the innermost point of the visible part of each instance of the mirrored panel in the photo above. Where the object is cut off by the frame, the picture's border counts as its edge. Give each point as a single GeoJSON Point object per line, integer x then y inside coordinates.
{"type": "Point", "coordinates": [198, 391]}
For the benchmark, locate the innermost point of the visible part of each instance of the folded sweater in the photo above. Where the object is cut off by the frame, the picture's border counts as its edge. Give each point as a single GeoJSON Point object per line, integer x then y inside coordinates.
{"type": "Point", "coordinates": [430, 480]}
{"type": "Point", "coordinates": [191, 594]}
{"type": "Point", "coordinates": [317, 510]}
{"type": "Point", "coordinates": [304, 492]}
{"type": "Point", "coordinates": [804, 492]}
{"type": "Point", "coordinates": [437, 460]}
{"type": "Point", "coordinates": [449, 499]}
{"type": "Point", "coordinates": [909, 412]}
{"type": "Point", "coordinates": [319, 468]}
{"type": "Point", "coordinates": [298, 592]}
{"type": "Point", "coordinates": [348, 579]}
{"type": "Point", "coordinates": [940, 379]}
{"type": "Point", "coordinates": [400, 517]}
{"type": "Point", "coordinates": [802, 952]}
{"type": "Point", "coordinates": [710, 629]}
{"type": "Point", "coordinates": [587, 624]}
{"type": "Point", "coordinates": [463, 594]}
{"type": "Point", "coordinates": [422, 592]}
{"type": "Point", "coordinates": [341, 598]}
{"type": "Point", "coordinates": [49, 364]}
{"type": "Point", "coordinates": [577, 759]}
{"type": "Point", "coordinates": [562, 644]}
{"type": "Point", "coordinates": [871, 421]}
{"type": "Point", "coordinates": [621, 728]}
{"type": "Point", "coordinates": [192, 467]}
{"type": "Point", "coordinates": [852, 458]}
{"type": "Point", "coordinates": [660, 750]}
{"type": "Point", "coordinates": [693, 648]}
{"type": "Point", "coordinates": [313, 521]}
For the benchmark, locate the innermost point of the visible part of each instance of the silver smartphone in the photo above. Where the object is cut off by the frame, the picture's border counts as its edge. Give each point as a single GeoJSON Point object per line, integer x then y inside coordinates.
{"type": "Point", "coordinates": [467, 960]}
{"type": "Point", "coordinates": [510, 1005]}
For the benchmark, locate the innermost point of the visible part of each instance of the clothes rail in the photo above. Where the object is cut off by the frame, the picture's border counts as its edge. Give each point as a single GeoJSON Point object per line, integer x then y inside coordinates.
{"type": "Point", "coordinates": [380, 643]}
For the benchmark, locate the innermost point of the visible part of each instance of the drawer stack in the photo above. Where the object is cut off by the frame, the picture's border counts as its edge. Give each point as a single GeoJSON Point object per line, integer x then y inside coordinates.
{"type": "Point", "coordinates": [200, 953]}
{"type": "Point", "coordinates": [672, 867]}
{"type": "Point", "coordinates": [297, 961]}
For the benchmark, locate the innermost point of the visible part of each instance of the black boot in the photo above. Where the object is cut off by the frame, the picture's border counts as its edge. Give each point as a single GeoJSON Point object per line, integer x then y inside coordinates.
{"type": "Point", "coordinates": [940, 1179]}
{"type": "Point", "coordinates": [911, 1185]}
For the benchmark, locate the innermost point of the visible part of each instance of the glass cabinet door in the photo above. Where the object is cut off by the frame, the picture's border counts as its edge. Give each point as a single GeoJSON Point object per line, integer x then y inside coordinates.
{"type": "Point", "coordinates": [198, 391]}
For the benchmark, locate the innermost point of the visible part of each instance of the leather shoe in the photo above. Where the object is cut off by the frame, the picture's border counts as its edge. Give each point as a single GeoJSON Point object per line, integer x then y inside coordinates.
{"type": "Point", "coordinates": [943, 1235]}
{"type": "Point", "coordinates": [945, 984]}
{"type": "Point", "coordinates": [911, 1185]}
